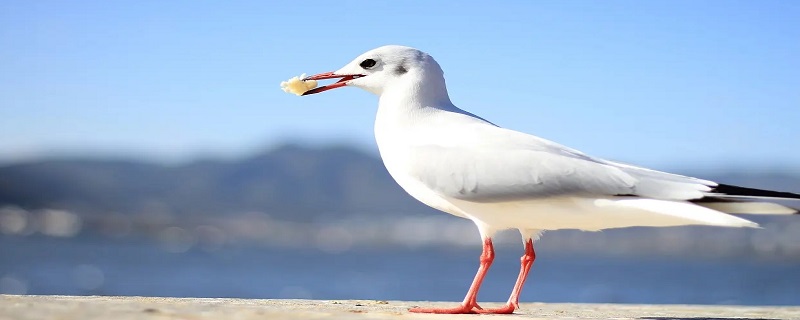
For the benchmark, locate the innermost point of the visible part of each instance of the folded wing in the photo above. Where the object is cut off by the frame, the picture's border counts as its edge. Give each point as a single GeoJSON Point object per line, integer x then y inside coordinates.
{"type": "Point", "coordinates": [522, 167]}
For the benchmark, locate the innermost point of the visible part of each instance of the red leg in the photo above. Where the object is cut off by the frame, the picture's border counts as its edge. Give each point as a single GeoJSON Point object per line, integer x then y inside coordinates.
{"type": "Point", "coordinates": [526, 262]}
{"type": "Point", "coordinates": [470, 303]}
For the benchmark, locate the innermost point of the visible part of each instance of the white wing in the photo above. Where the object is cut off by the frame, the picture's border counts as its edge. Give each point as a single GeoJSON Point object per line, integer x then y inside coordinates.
{"type": "Point", "coordinates": [493, 164]}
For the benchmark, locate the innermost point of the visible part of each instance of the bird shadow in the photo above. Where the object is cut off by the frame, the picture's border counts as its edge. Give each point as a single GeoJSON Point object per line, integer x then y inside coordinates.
{"type": "Point", "coordinates": [702, 318]}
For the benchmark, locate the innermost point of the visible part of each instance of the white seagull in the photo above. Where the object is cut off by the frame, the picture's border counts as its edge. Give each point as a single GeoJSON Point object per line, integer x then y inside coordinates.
{"type": "Point", "coordinates": [461, 164]}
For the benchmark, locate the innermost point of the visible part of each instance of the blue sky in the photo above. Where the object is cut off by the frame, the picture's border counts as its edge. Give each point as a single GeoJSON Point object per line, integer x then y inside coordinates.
{"type": "Point", "coordinates": [669, 84]}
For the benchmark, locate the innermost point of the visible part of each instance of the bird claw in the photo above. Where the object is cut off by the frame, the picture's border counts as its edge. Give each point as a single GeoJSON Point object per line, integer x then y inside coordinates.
{"type": "Point", "coordinates": [461, 309]}
{"type": "Point", "coordinates": [507, 309]}
{"type": "Point", "coordinates": [457, 310]}
{"type": "Point", "coordinates": [469, 309]}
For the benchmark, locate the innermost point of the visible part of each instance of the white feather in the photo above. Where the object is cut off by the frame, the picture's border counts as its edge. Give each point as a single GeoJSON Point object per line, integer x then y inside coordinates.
{"type": "Point", "coordinates": [594, 214]}
{"type": "Point", "coordinates": [748, 207]}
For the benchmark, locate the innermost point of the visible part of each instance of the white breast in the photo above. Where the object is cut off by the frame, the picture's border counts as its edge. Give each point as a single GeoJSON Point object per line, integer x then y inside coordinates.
{"type": "Point", "coordinates": [395, 136]}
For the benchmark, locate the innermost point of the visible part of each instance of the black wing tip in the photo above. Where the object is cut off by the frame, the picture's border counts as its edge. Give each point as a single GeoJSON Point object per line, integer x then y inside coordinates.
{"type": "Point", "coordinates": [732, 190]}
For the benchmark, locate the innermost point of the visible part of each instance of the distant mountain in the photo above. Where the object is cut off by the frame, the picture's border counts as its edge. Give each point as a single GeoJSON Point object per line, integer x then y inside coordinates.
{"type": "Point", "coordinates": [290, 182]}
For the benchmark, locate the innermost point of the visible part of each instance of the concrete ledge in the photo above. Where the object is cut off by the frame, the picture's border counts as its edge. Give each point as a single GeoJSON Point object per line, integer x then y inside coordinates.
{"type": "Point", "coordinates": [122, 308]}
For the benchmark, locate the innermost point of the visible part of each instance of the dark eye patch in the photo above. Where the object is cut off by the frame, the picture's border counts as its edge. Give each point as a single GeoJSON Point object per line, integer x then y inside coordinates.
{"type": "Point", "coordinates": [368, 63]}
{"type": "Point", "coordinates": [401, 69]}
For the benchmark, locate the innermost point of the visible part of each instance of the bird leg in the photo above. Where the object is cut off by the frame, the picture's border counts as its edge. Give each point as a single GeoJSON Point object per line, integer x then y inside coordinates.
{"type": "Point", "coordinates": [470, 303]}
{"type": "Point", "coordinates": [526, 262]}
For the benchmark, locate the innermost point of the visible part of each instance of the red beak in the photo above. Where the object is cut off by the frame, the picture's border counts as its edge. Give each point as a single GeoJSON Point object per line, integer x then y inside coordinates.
{"type": "Point", "coordinates": [329, 75]}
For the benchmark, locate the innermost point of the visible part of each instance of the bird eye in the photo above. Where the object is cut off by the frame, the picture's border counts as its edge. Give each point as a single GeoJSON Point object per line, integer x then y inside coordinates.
{"type": "Point", "coordinates": [366, 64]}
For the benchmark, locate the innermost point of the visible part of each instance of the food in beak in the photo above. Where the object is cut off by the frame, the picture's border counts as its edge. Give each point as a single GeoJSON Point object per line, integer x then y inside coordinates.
{"type": "Point", "coordinates": [298, 85]}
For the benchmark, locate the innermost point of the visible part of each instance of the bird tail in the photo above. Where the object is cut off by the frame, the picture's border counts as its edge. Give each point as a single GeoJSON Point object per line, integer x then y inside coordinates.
{"type": "Point", "coordinates": [741, 200]}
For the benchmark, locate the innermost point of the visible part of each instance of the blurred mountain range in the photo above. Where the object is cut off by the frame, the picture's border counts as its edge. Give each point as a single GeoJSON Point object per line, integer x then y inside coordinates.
{"type": "Point", "coordinates": [290, 182]}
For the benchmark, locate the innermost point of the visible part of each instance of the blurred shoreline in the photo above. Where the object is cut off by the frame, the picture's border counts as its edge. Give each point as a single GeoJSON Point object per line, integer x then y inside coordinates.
{"type": "Point", "coordinates": [779, 238]}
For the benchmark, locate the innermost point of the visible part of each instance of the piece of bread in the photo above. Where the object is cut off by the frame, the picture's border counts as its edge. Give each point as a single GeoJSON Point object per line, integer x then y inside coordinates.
{"type": "Point", "coordinates": [297, 86]}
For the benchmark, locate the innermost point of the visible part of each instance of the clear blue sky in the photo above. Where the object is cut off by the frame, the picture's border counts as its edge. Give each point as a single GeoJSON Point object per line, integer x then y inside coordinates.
{"type": "Point", "coordinates": [670, 84]}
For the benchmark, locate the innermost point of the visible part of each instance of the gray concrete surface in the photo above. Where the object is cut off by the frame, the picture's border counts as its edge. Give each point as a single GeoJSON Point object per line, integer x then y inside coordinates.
{"type": "Point", "coordinates": [123, 308]}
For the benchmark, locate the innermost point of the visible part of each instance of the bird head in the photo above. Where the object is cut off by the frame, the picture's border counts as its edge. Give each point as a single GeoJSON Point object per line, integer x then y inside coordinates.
{"type": "Point", "coordinates": [382, 68]}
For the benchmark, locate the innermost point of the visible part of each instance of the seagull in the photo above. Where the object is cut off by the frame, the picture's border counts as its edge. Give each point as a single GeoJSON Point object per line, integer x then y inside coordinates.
{"type": "Point", "coordinates": [464, 165]}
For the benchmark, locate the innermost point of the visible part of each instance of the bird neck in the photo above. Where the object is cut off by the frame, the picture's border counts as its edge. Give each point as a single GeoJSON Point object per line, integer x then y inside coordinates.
{"type": "Point", "coordinates": [403, 107]}
{"type": "Point", "coordinates": [415, 93]}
